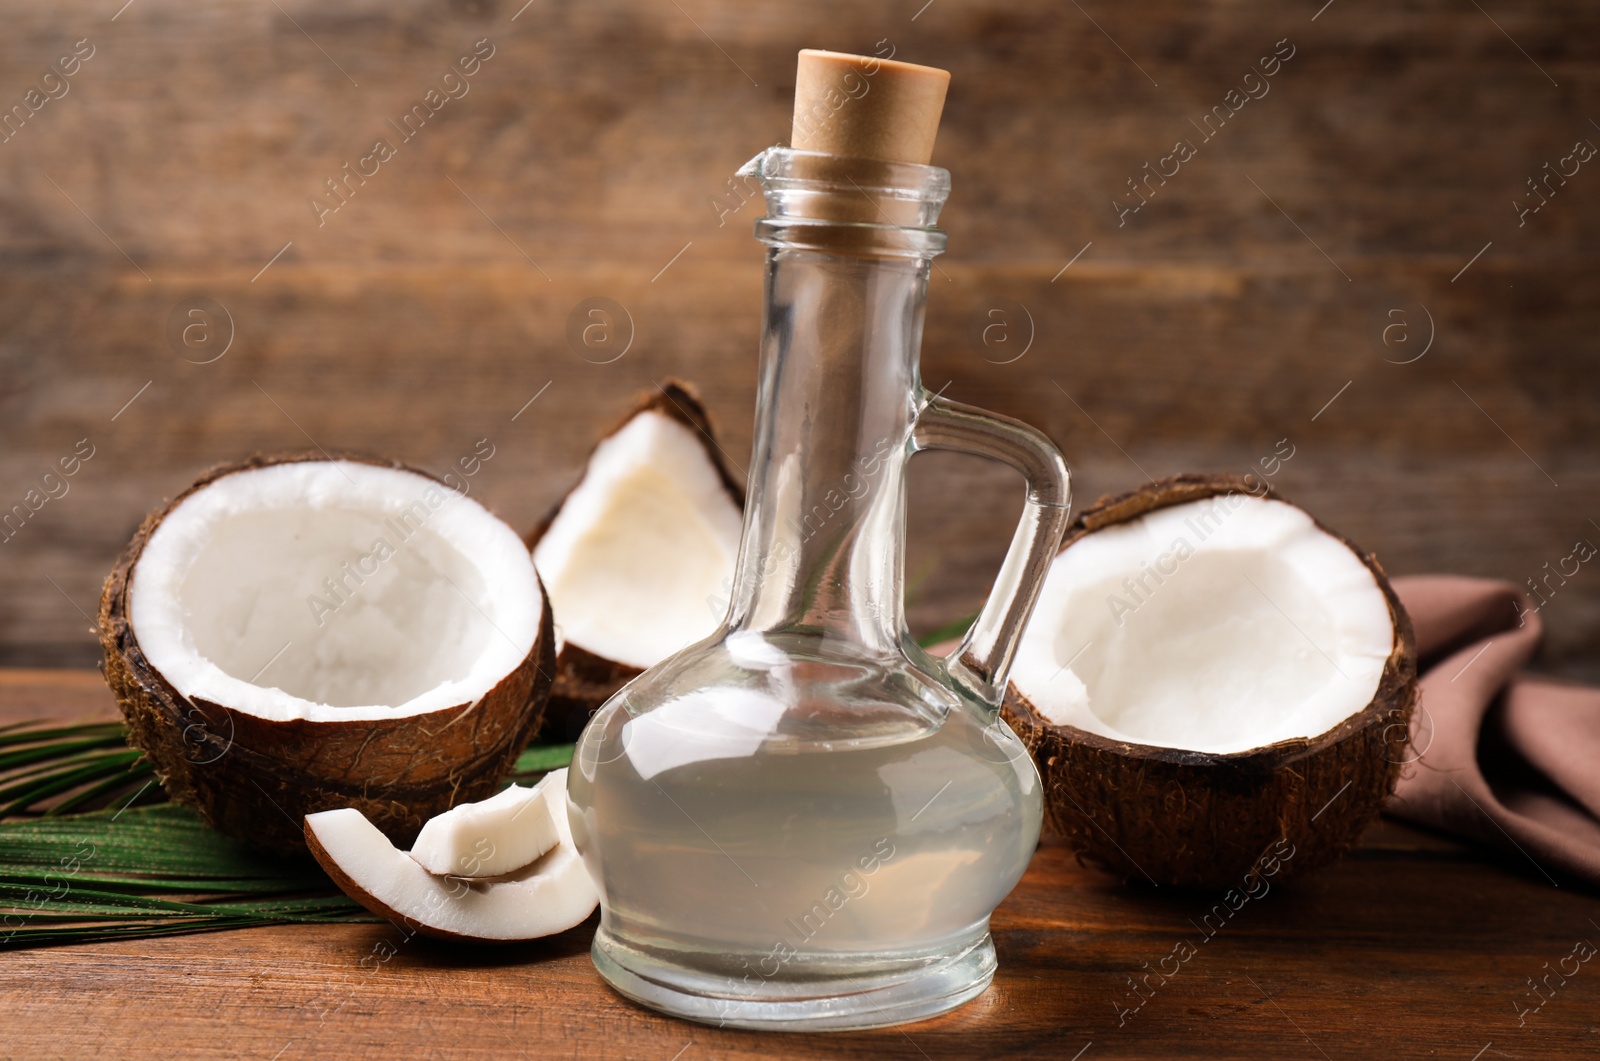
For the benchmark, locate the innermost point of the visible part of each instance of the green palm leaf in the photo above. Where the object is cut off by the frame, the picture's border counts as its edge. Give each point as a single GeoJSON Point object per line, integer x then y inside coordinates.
{"type": "Point", "coordinates": [132, 866]}
{"type": "Point", "coordinates": [62, 768]}
{"type": "Point", "coordinates": [130, 873]}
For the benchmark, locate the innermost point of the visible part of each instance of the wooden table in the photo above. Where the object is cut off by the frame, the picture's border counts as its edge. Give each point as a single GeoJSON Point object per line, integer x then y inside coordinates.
{"type": "Point", "coordinates": [1411, 947]}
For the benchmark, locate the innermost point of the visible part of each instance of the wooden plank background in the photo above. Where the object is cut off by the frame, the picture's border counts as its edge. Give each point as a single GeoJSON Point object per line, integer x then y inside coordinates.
{"type": "Point", "coordinates": [1250, 292]}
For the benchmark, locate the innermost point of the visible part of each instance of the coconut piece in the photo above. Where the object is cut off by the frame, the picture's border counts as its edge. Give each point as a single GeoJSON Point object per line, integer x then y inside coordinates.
{"type": "Point", "coordinates": [494, 836]}
{"type": "Point", "coordinates": [1210, 675]}
{"type": "Point", "coordinates": [295, 633]}
{"type": "Point", "coordinates": [638, 557]}
{"type": "Point", "coordinates": [549, 895]}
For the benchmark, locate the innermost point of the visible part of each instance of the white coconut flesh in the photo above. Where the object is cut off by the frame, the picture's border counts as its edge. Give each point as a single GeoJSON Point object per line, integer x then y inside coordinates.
{"type": "Point", "coordinates": [638, 560]}
{"type": "Point", "coordinates": [1219, 625]}
{"type": "Point", "coordinates": [333, 591]}
{"type": "Point", "coordinates": [491, 837]}
{"type": "Point", "coordinates": [551, 894]}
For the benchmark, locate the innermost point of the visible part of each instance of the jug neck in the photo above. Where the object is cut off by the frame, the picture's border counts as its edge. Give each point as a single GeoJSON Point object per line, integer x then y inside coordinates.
{"type": "Point", "coordinates": [822, 551]}
{"type": "Point", "coordinates": [823, 546]}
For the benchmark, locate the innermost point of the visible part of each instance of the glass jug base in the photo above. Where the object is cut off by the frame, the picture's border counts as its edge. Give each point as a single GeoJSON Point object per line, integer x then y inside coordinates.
{"type": "Point", "coordinates": [824, 1002]}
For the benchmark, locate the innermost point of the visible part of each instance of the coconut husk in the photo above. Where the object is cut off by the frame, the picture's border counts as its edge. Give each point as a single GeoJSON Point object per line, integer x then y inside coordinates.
{"type": "Point", "coordinates": [256, 779]}
{"type": "Point", "coordinates": [1200, 820]}
{"type": "Point", "coordinates": [584, 680]}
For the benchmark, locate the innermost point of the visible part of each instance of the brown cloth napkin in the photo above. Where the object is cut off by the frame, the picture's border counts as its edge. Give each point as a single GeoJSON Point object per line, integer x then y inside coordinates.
{"type": "Point", "coordinates": [1508, 760]}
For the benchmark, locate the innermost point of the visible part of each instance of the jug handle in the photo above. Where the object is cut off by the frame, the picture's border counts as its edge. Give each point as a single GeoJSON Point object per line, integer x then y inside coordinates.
{"type": "Point", "coordinates": [983, 660]}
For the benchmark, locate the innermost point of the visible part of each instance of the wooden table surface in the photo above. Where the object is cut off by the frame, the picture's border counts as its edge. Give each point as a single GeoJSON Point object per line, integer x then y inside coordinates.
{"type": "Point", "coordinates": [1412, 947]}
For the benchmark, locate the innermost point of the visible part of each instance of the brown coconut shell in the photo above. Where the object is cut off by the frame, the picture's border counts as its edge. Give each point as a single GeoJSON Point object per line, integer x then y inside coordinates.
{"type": "Point", "coordinates": [1194, 819]}
{"type": "Point", "coordinates": [357, 891]}
{"type": "Point", "coordinates": [256, 779]}
{"type": "Point", "coordinates": [584, 680]}
{"type": "Point", "coordinates": [353, 888]}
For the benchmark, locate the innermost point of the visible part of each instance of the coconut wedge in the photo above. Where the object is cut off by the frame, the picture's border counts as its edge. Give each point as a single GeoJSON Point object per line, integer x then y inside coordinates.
{"type": "Point", "coordinates": [549, 894]}
{"type": "Point", "coordinates": [1210, 675]}
{"type": "Point", "coordinates": [638, 557]}
{"type": "Point", "coordinates": [489, 838]}
{"type": "Point", "coordinates": [294, 633]}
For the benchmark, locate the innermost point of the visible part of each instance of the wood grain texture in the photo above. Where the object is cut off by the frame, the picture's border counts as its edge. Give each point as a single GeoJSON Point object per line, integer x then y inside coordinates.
{"type": "Point", "coordinates": [1411, 947]}
{"type": "Point", "coordinates": [592, 157]}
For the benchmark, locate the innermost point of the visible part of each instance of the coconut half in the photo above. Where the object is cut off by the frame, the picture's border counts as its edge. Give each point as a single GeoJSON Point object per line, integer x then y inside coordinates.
{"type": "Point", "coordinates": [548, 894]}
{"type": "Point", "coordinates": [296, 633]}
{"type": "Point", "coordinates": [1210, 674]}
{"type": "Point", "coordinates": [638, 557]}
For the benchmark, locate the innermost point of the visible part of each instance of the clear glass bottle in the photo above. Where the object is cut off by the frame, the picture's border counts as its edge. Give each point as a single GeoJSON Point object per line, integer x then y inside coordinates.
{"type": "Point", "coordinates": [805, 821]}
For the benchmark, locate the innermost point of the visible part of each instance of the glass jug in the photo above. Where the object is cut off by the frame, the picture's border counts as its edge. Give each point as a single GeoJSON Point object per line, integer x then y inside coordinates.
{"type": "Point", "coordinates": [804, 821]}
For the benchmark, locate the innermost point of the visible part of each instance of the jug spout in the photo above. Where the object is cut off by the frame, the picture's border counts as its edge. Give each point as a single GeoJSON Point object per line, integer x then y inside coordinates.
{"type": "Point", "coordinates": [850, 205]}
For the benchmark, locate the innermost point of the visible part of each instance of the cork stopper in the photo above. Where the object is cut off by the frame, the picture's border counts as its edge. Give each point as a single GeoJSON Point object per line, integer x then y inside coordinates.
{"type": "Point", "coordinates": [864, 107]}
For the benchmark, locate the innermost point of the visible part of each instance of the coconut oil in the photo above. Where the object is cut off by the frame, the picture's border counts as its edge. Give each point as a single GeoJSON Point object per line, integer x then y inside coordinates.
{"type": "Point", "coordinates": [805, 821]}
{"type": "Point", "coordinates": [850, 850]}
